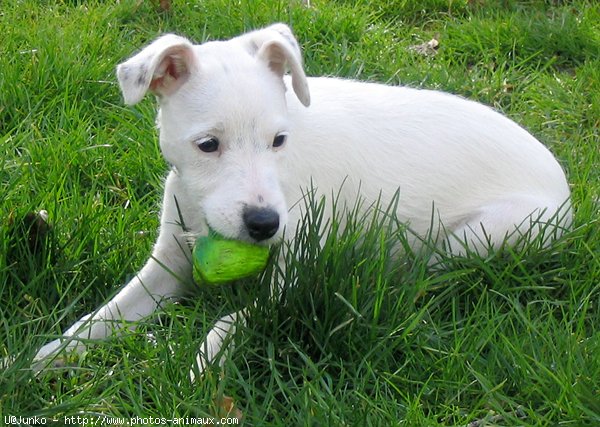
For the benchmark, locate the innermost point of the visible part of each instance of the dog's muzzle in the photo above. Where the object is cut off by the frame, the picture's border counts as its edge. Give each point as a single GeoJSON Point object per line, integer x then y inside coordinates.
{"type": "Point", "coordinates": [261, 223]}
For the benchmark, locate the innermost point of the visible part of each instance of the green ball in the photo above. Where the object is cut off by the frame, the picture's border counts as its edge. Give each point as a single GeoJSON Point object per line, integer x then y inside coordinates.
{"type": "Point", "coordinates": [218, 260]}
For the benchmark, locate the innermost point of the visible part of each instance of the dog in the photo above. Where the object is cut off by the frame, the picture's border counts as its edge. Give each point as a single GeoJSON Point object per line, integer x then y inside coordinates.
{"type": "Point", "coordinates": [245, 137]}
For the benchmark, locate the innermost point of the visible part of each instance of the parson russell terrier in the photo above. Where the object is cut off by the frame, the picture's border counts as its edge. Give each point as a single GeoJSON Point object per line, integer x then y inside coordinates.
{"type": "Point", "coordinates": [246, 141]}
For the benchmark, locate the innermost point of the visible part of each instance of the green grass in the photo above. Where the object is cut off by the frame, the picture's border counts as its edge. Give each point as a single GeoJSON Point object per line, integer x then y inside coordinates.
{"type": "Point", "coordinates": [364, 338]}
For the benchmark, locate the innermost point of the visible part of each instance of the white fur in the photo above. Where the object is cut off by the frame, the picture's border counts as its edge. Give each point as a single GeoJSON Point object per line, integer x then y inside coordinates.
{"type": "Point", "coordinates": [482, 174]}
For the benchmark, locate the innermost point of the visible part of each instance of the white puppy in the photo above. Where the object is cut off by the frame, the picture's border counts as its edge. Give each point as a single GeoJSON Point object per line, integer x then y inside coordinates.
{"type": "Point", "coordinates": [245, 141]}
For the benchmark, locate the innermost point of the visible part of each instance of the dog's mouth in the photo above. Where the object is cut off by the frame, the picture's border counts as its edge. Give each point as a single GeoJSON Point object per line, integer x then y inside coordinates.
{"type": "Point", "coordinates": [258, 225]}
{"type": "Point", "coordinates": [242, 235]}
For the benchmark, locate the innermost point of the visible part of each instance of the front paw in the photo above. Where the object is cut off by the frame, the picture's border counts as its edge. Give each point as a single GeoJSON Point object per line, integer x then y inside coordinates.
{"type": "Point", "coordinates": [55, 354]}
{"type": "Point", "coordinates": [211, 351]}
{"type": "Point", "coordinates": [216, 345]}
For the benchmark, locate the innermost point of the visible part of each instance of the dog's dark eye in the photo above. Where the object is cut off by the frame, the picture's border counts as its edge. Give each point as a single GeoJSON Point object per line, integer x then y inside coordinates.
{"type": "Point", "coordinates": [279, 140]}
{"type": "Point", "coordinates": [208, 145]}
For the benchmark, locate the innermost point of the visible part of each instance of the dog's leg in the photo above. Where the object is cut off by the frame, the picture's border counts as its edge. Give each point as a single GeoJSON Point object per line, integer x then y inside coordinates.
{"type": "Point", "coordinates": [162, 278]}
{"type": "Point", "coordinates": [506, 222]}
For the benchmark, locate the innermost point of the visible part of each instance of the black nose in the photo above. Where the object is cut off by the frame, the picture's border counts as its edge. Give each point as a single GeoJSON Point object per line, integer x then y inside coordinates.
{"type": "Point", "coordinates": [261, 223]}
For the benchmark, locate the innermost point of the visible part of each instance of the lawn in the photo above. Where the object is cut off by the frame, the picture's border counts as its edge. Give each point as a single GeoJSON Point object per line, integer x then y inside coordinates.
{"type": "Point", "coordinates": [364, 338]}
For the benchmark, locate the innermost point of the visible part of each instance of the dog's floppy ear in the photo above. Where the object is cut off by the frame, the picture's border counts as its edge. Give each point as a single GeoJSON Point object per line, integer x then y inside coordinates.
{"type": "Point", "coordinates": [277, 46]}
{"type": "Point", "coordinates": [162, 67]}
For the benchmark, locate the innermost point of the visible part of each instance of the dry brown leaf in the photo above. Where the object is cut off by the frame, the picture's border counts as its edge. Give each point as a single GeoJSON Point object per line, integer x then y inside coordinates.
{"type": "Point", "coordinates": [225, 407]}
{"type": "Point", "coordinates": [165, 4]}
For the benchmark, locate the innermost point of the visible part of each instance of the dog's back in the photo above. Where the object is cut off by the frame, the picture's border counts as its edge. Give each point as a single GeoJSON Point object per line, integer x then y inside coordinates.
{"type": "Point", "coordinates": [447, 156]}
